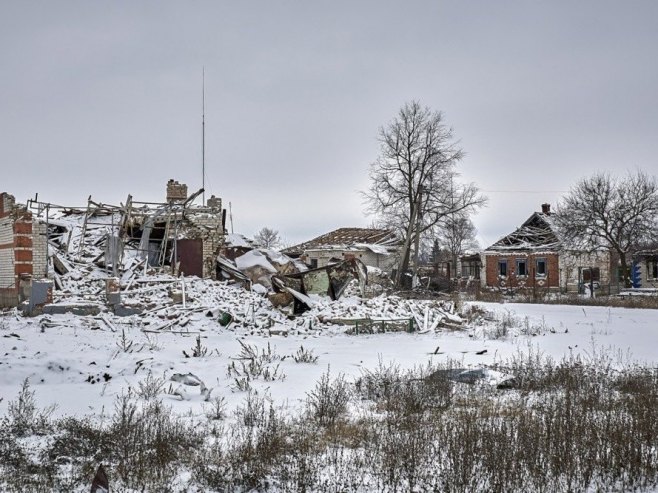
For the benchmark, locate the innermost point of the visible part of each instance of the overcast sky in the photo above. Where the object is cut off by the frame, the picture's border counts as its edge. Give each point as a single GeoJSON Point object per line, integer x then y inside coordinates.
{"type": "Point", "coordinates": [104, 99]}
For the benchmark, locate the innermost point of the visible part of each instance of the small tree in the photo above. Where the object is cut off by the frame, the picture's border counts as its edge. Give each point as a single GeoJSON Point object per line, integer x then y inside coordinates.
{"type": "Point", "coordinates": [456, 235]}
{"type": "Point", "coordinates": [412, 182]}
{"type": "Point", "coordinates": [267, 238]}
{"type": "Point", "coordinates": [617, 213]}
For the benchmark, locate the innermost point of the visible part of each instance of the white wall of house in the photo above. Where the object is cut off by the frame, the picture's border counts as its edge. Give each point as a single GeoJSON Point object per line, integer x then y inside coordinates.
{"type": "Point", "coordinates": [7, 276]}
{"type": "Point", "coordinates": [571, 264]}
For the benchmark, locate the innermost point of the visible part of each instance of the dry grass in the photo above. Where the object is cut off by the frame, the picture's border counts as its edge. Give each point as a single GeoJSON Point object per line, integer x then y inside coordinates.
{"type": "Point", "coordinates": [571, 425]}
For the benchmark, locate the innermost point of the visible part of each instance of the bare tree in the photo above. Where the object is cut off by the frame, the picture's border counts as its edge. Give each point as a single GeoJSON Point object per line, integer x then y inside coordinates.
{"type": "Point", "coordinates": [456, 235]}
{"type": "Point", "coordinates": [267, 238]}
{"type": "Point", "coordinates": [606, 211]}
{"type": "Point", "coordinates": [412, 181]}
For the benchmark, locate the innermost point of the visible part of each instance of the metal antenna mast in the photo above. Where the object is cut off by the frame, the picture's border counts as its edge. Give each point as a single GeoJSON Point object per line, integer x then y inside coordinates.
{"type": "Point", "coordinates": [203, 135]}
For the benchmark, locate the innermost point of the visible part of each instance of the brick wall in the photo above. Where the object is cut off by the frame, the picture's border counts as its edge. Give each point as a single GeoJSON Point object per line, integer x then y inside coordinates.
{"type": "Point", "coordinates": [8, 288]}
{"type": "Point", "coordinates": [23, 249]}
{"type": "Point", "coordinates": [7, 279]}
{"type": "Point", "coordinates": [39, 250]}
{"type": "Point", "coordinates": [550, 280]}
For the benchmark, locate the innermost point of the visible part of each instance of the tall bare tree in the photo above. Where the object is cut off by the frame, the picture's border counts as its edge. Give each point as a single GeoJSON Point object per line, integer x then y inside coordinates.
{"type": "Point", "coordinates": [618, 213]}
{"type": "Point", "coordinates": [267, 238]}
{"type": "Point", "coordinates": [412, 182]}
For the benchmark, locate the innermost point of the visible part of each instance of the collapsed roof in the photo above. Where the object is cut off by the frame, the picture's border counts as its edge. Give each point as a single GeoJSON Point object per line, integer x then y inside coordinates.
{"type": "Point", "coordinates": [538, 233]}
{"type": "Point", "coordinates": [376, 240]}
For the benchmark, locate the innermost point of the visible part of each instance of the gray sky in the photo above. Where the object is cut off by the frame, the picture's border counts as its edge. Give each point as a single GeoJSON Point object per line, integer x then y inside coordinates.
{"type": "Point", "coordinates": [104, 98]}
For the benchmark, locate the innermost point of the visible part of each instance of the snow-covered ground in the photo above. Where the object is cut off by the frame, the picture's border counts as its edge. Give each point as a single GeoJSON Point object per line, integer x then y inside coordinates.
{"type": "Point", "coordinates": [79, 364]}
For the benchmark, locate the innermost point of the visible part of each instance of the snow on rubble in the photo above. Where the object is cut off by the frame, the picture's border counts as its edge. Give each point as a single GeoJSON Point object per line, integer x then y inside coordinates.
{"type": "Point", "coordinates": [110, 327]}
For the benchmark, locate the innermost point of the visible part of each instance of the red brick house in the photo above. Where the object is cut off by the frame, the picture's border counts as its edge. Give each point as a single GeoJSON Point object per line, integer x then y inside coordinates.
{"type": "Point", "coordinates": [534, 256]}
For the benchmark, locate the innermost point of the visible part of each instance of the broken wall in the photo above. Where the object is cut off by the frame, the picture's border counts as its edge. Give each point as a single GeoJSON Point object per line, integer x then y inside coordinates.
{"type": "Point", "coordinates": [8, 288]}
{"type": "Point", "coordinates": [209, 228]}
{"type": "Point", "coordinates": [23, 249]}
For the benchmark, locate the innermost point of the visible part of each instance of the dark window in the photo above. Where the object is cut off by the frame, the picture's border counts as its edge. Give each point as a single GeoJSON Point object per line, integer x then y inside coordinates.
{"type": "Point", "coordinates": [521, 267]}
{"type": "Point", "coordinates": [314, 263]}
{"type": "Point", "coordinates": [591, 274]}
{"type": "Point", "coordinates": [541, 267]}
{"type": "Point", "coordinates": [502, 267]}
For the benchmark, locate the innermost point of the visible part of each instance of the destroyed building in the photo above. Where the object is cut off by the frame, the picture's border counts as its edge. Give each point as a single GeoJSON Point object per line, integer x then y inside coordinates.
{"type": "Point", "coordinates": [45, 240]}
{"type": "Point", "coordinates": [374, 247]}
{"type": "Point", "coordinates": [535, 256]}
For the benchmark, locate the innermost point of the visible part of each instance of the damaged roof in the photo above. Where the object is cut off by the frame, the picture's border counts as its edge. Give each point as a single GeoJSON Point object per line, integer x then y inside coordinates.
{"type": "Point", "coordinates": [537, 233]}
{"type": "Point", "coordinates": [346, 237]}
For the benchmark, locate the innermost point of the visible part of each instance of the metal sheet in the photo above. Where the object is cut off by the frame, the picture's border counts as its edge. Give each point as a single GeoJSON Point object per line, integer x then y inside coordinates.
{"type": "Point", "coordinates": [316, 282]}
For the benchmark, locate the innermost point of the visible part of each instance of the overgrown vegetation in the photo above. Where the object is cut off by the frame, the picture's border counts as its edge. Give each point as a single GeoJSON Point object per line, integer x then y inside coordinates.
{"type": "Point", "coordinates": [545, 297]}
{"type": "Point", "coordinates": [579, 424]}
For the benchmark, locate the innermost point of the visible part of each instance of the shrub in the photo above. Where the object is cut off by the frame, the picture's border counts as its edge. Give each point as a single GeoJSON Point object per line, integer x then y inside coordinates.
{"type": "Point", "coordinates": [327, 402]}
{"type": "Point", "coordinates": [24, 418]}
{"type": "Point", "coordinates": [150, 387]}
{"type": "Point", "coordinates": [305, 356]}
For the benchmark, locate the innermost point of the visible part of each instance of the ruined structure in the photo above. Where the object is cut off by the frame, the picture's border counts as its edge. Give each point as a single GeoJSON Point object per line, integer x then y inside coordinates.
{"type": "Point", "coordinates": [374, 247]}
{"type": "Point", "coordinates": [534, 256]}
{"type": "Point", "coordinates": [42, 239]}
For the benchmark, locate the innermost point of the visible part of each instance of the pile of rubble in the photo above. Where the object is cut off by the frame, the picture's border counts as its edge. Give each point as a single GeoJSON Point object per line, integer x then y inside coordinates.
{"type": "Point", "coordinates": [165, 264]}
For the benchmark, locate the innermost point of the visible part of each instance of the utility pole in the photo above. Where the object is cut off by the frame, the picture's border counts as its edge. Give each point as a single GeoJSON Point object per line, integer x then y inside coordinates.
{"type": "Point", "coordinates": [203, 134]}
{"type": "Point", "coordinates": [455, 244]}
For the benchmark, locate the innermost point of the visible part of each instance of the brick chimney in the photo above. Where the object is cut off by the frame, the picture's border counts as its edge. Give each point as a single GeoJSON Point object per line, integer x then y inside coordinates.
{"type": "Point", "coordinates": [176, 192]}
{"type": "Point", "coordinates": [214, 202]}
{"type": "Point", "coordinates": [7, 203]}
{"type": "Point", "coordinates": [546, 209]}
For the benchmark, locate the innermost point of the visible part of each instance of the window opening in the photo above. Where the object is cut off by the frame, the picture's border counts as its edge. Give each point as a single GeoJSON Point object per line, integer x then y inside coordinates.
{"type": "Point", "coordinates": [502, 268]}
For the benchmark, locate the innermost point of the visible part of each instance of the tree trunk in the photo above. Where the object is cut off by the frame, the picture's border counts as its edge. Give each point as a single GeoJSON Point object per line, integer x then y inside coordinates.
{"type": "Point", "coordinates": [623, 263]}
{"type": "Point", "coordinates": [403, 267]}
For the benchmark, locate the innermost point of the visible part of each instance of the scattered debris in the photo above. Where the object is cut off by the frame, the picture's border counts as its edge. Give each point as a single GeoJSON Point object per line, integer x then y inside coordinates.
{"type": "Point", "coordinates": [475, 375]}
{"type": "Point", "coordinates": [190, 380]}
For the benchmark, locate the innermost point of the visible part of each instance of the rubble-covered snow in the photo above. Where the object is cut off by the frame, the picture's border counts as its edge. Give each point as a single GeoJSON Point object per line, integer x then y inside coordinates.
{"type": "Point", "coordinates": [81, 363]}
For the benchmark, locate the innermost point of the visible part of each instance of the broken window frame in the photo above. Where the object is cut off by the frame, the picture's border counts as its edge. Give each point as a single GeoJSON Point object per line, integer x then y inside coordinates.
{"type": "Point", "coordinates": [544, 270]}
{"type": "Point", "coordinates": [521, 265]}
{"type": "Point", "coordinates": [502, 267]}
